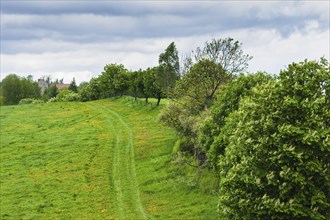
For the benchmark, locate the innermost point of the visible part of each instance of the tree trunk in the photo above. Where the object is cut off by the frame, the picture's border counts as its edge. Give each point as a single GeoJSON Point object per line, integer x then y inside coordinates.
{"type": "Point", "coordinates": [158, 101]}
{"type": "Point", "coordinates": [147, 100]}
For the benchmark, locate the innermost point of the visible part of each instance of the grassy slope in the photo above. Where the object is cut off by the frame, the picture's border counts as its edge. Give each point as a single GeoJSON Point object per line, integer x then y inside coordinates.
{"type": "Point", "coordinates": [92, 160]}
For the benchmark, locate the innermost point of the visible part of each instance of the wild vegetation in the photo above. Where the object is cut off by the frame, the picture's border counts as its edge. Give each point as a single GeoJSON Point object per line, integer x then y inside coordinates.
{"type": "Point", "coordinates": [259, 143]}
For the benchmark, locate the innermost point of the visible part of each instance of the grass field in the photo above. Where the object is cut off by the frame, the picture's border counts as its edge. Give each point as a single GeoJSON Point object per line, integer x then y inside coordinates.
{"type": "Point", "coordinates": [107, 159]}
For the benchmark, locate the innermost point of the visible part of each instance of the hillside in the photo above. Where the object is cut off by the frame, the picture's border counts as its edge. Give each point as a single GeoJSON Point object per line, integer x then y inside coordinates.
{"type": "Point", "coordinates": [107, 159]}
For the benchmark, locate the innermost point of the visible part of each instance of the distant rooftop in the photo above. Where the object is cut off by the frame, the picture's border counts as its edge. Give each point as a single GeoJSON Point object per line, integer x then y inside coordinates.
{"type": "Point", "coordinates": [61, 86]}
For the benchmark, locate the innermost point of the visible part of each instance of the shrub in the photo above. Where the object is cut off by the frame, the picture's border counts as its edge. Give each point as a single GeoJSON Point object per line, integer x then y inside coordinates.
{"type": "Point", "coordinates": [277, 162]}
{"type": "Point", "coordinates": [66, 95]}
{"type": "Point", "coordinates": [26, 101]}
{"type": "Point", "coordinates": [30, 101]}
{"type": "Point", "coordinates": [213, 135]}
{"type": "Point", "coordinates": [38, 101]}
{"type": "Point", "coordinates": [54, 99]}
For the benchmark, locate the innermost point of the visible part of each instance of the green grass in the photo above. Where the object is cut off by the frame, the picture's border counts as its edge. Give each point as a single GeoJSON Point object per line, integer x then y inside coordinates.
{"type": "Point", "coordinates": [108, 159]}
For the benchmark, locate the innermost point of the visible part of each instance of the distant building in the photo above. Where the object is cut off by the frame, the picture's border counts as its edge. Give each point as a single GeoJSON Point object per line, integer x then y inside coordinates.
{"type": "Point", "coordinates": [61, 86]}
{"type": "Point", "coordinates": [43, 85]}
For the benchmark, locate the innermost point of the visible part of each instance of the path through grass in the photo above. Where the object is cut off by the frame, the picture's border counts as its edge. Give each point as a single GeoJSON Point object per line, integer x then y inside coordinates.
{"type": "Point", "coordinates": [128, 202]}
{"type": "Point", "coordinates": [107, 159]}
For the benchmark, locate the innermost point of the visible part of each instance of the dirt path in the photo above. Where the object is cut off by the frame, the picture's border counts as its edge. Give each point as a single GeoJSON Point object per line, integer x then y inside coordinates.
{"type": "Point", "coordinates": [125, 186]}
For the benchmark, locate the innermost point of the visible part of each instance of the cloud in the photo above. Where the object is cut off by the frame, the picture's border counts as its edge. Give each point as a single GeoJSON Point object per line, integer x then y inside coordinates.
{"type": "Point", "coordinates": [64, 38]}
{"type": "Point", "coordinates": [271, 52]}
{"type": "Point", "coordinates": [81, 20]}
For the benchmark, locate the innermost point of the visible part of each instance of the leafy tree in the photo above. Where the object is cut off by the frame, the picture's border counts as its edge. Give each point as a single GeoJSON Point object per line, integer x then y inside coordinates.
{"type": "Point", "coordinates": [50, 92]}
{"type": "Point", "coordinates": [169, 68]}
{"type": "Point", "coordinates": [11, 89]}
{"type": "Point", "coordinates": [152, 87]}
{"type": "Point", "coordinates": [213, 135]}
{"type": "Point", "coordinates": [73, 86]}
{"type": "Point", "coordinates": [227, 53]}
{"type": "Point", "coordinates": [120, 82]}
{"type": "Point", "coordinates": [277, 161]}
{"type": "Point", "coordinates": [112, 80]}
{"type": "Point", "coordinates": [136, 86]}
{"type": "Point", "coordinates": [91, 91]}
{"type": "Point", "coordinates": [66, 95]}
{"type": "Point", "coordinates": [15, 88]}
{"type": "Point", "coordinates": [30, 89]}
{"type": "Point", "coordinates": [205, 72]}
{"type": "Point", "coordinates": [201, 83]}
{"type": "Point", "coordinates": [82, 84]}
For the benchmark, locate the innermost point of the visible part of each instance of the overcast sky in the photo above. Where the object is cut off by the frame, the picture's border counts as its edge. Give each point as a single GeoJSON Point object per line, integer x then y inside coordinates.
{"type": "Point", "coordinates": [66, 39]}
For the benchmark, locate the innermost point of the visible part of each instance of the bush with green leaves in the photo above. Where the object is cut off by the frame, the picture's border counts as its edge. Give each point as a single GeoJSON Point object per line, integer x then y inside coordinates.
{"type": "Point", "coordinates": [66, 95]}
{"type": "Point", "coordinates": [30, 101]}
{"type": "Point", "coordinates": [277, 161]}
{"type": "Point", "coordinates": [26, 101]}
{"type": "Point", "coordinates": [213, 135]}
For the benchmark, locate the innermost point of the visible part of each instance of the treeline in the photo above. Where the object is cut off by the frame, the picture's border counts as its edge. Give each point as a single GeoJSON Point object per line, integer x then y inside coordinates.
{"type": "Point", "coordinates": [265, 138]}
{"type": "Point", "coordinates": [24, 90]}
{"type": "Point", "coordinates": [115, 80]}
{"type": "Point", "coordinates": [153, 82]}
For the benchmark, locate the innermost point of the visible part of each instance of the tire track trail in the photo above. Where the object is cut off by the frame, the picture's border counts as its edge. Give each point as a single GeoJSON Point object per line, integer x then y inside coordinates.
{"type": "Point", "coordinates": [125, 186]}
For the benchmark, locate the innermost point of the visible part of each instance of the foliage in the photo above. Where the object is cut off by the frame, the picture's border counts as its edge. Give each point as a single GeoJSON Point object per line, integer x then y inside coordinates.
{"type": "Point", "coordinates": [136, 85]}
{"type": "Point", "coordinates": [30, 101]}
{"type": "Point", "coordinates": [15, 88]}
{"type": "Point", "coordinates": [29, 88]}
{"type": "Point", "coordinates": [169, 68]}
{"type": "Point", "coordinates": [204, 73]}
{"type": "Point", "coordinates": [50, 92]}
{"type": "Point", "coordinates": [66, 95]}
{"type": "Point", "coordinates": [120, 83]}
{"type": "Point", "coordinates": [73, 86]}
{"type": "Point", "coordinates": [226, 53]}
{"type": "Point", "coordinates": [113, 80]}
{"type": "Point", "coordinates": [213, 135]}
{"type": "Point", "coordinates": [201, 83]}
{"type": "Point", "coordinates": [91, 90]}
{"type": "Point", "coordinates": [152, 87]}
{"type": "Point", "coordinates": [277, 161]}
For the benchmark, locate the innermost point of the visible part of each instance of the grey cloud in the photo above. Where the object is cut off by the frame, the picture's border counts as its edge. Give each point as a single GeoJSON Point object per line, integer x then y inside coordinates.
{"type": "Point", "coordinates": [94, 27]}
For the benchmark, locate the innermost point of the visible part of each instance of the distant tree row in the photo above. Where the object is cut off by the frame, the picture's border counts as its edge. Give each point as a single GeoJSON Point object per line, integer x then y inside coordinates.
{"type": "Point", "coordinates": [154, 82]}
{"type": "Point", "coordinates": [115, 80]}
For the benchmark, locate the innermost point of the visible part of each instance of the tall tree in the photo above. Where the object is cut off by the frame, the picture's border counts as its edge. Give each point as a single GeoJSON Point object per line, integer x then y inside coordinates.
{"type": "Point", "coordinates": [206, 71]}
{"type": "Point", "coordinates": [210, 67]}
{"type": "Point", "coordinates": [213, 136]}
{"type": "Point", "coordinates": [109, 84]}
{"type": "Point", "coordinates": [152, 88]}
{"type": "Point", "coordinates": [120, 82]}
{"type": "Point", "coordinates": [227, 53]}
{"type": "Point", "coordinates": [29, 88]}
{"type": "Point", "coordinates": [73, 86]}
{"type": "Point", "coordinates": [11, 89]}
{"type": "Point", "coordinates": [136, 86]}
{"type": "Point", "coordinates": [15, 88]}
{"type": "Point", "coordinates": [277, 161]}
{"type": "Point", "coordinates": [50, 92]}
{"type": "Point", "coordinates": [169, 68]}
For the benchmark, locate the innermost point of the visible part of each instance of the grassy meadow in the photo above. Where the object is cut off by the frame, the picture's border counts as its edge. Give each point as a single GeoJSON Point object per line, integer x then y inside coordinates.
{"type": "Point", "coordinates": [106, 159]}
